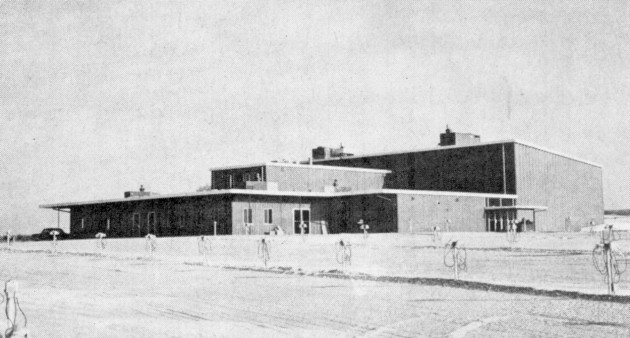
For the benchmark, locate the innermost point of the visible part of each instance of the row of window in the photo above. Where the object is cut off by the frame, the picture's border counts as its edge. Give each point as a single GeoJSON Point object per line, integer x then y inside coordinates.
{"type": "Point", "coordinates": [151, 220]}
{"type": "Point", "coordinates": [83, 224]}
{"type": "Point", "coordinates": [247, 177]}
{"type": "Point", "coordinates": [500, 202]}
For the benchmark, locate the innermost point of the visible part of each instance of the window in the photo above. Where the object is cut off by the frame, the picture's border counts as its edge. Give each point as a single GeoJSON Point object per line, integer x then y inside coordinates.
{"type": "Point", "coordinates": [136, 222]}
{"type": "Point", "coordinates": [151, 222]}
{"type": "Point", "coordinates": [246, 178]}
{"type": "Point", "coordinates": [507, 202]}
{"type": "Point", "coordinates": [268, 216]}
{"type": "Point", "coordinates": [247, 216]}
{"type": "Point", "coordinates": [494, 202]}
{"type": "Point", "coordinates": [181, 220]}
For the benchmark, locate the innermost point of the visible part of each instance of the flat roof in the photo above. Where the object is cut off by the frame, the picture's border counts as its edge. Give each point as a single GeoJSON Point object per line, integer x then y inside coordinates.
{"type": "Point", "coordinates": [274, 193]}
{"type": "Point", "coordinates": [462, 146]}
{"type": "Point", "coordinates": [296, 165]}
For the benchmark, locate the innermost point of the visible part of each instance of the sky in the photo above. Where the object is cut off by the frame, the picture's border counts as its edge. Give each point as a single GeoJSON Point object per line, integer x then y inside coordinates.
{"type": "Point", "coordinates": [98, 97]}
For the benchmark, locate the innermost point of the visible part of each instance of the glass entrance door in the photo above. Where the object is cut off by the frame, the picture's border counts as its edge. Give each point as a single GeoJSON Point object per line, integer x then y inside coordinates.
{"type": "Point", "coordinates": [301, 216]}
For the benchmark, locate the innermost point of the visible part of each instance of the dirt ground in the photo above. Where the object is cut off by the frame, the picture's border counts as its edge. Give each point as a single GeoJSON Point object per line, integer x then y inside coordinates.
{"type": "Point", "coordinates": [68, 295]}
{"type": "Point", "coordinates": [546, 261]}
{"type": "Point", "coordinates": [122, 290]}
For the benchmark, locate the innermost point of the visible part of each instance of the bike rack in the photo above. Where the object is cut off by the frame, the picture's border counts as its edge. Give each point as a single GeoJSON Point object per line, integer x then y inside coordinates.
{"type": "Point", "coordinates": [437, 234]}
{"type": "Point", "coordinates": [455, 258]}
{"type": "Point", "coordinates": [263, 251]}
{"type": "Point", "coordinates": [204, 245]}
{"type": "Point", "coordinates": [150, 244]}
{"type": "Point", "coordinates": [13, 310]}
{"type": "Point", "coordinates": [512, 235]}
{"type": "Point", "coordinates": [343, 254]}
{"type": "Point", "coordinates": [9, 237]}
{"type": "Point", "coordinates": [608, 260]}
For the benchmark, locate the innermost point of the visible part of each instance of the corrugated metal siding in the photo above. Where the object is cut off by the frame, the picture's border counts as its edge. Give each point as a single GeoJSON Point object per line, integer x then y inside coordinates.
{"type": "Point", "coordinates": [425, 211]}
{"type": "Point", "coordinates": [569, 188]}
{"type": "Point", "coordinates": [311, 178]}
{"type": "Point", "coordinates": [470, 169]}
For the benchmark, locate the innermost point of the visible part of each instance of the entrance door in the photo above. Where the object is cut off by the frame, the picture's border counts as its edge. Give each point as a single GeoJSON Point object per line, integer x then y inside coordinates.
{"type": "Point", "coordinates": [151, 223]}
{"type": "Point", "coordinates": [499, 220]}
{"type": "Point", "coordinates": [301, 216]}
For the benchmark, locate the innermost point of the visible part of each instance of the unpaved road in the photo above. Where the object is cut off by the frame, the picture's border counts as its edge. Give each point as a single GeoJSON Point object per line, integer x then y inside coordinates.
{"type": "Point", "coordinates": [86, 296]}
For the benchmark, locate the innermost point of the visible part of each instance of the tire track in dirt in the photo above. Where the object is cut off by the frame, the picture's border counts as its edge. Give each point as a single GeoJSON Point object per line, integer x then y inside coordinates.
{"type": "Point", "coordinates": [445, 282]}
{"type": "Point", "coordinates": [464, 330]}
{"type": "Point", "coordinates": [277, 311]}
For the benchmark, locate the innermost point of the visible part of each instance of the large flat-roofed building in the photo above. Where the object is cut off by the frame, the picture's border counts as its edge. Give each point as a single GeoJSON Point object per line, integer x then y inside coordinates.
{"type": "Point", "coordinates": [561, 192]}
{"type": "Point", "coordinates": [472, 186]}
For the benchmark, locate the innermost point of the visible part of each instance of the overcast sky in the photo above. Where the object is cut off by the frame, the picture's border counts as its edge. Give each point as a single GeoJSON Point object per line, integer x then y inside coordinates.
{"type": "Point", "coordinates": [98, 97]}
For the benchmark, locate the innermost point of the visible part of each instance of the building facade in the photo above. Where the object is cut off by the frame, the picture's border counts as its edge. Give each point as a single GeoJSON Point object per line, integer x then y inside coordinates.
{"type": "Point", "coordinates": [465, 186]}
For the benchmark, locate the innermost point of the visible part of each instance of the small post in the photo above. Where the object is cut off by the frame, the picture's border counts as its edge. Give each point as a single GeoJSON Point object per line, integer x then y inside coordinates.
{"type": "Point", "coordinates": [9, 238]}
{"type": "Point", "coordinates": [609, 268]}
{"type": "Point", "coordinates": [54, 233]}
{"type": "Point", "coordinates": [215, 228]}
{"type": "Point", "coordinates": [100, 240]}
{"type": "Point", "coordinates": [150, 244]}
{"type": "Point", "coordinates": [204, 246]}
{"type": "Point", "coordinates": [456, 260]}
{"type": "Point", "coordinates": [364, 227]}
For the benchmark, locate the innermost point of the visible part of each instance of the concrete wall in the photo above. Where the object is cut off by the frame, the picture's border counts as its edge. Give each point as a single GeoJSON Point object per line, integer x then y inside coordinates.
{"type": "Point", "coordinates": [425, 211]}
{"type": "Point", "coordinates": [282, 210]}
{"type": "Point", "coordinates": [312, 178]}
{"type": "Point", "coordinates": [340, 214]}
{"type": "Point", "coordinates": [569, 188]}
{"type": "Point", "coordinates": [173, 217]}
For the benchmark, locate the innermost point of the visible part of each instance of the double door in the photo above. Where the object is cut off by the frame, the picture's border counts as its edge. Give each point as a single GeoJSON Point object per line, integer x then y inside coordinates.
{"type": "Point", "coordinates": [302, 216]}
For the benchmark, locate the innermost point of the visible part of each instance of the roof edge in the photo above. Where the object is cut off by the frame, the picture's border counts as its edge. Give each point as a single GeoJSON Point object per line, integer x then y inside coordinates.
{"type": "Point", "coordinates": [418, 150]}
{"type": "Point", "coordinates": [465, 146]}
{"type": "Point", "coordinates": [274, 193]}
{"type": "Point", "coordinates": [296, 165]}
{"type": "Point", "coordinates": [557, 153]}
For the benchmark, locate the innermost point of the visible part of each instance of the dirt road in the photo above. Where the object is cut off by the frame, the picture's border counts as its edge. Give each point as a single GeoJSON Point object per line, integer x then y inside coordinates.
{"type": "Point", "coordinates": [86, 296]}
